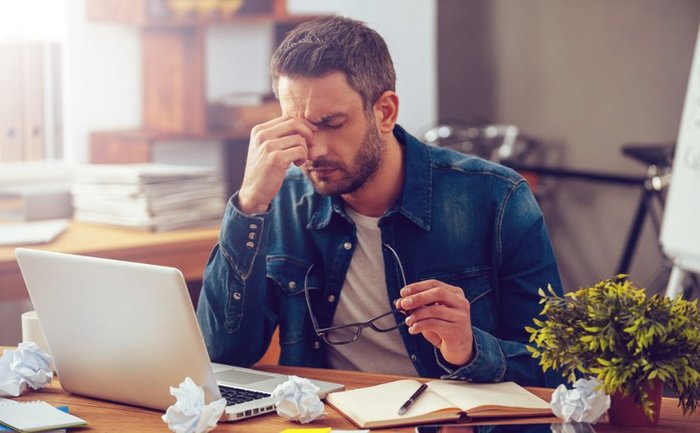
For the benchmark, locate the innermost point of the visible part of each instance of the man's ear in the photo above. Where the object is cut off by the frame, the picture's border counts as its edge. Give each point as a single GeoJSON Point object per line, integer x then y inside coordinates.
{"type": "Point", "coordinates": [386, 111]}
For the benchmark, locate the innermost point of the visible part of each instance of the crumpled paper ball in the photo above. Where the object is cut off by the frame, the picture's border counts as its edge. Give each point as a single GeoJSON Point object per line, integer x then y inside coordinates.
{"type": "Point", "coordinates": [26, 367]}
{"type": "Point", "coordinates": [189, 414]}
{"type": "Point", "coordinates": [297, 400]}
{"type": "Point", "coordinates": [582, 404]}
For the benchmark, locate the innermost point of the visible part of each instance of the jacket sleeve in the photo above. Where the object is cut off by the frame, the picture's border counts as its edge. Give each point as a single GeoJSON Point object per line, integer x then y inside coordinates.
{"type": "Point", "coordinates": [235, 310]}
{"type": "Point", "coordinates": [524, 260]}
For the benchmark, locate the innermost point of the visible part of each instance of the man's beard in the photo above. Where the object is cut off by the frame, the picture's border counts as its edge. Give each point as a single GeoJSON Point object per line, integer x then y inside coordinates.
{"type": "Point", "coordinates": [364, 166]}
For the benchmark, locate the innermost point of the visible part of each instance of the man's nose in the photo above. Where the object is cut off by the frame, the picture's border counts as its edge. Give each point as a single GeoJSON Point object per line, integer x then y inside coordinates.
{"type": "Point", "coordinates": [318, 148]}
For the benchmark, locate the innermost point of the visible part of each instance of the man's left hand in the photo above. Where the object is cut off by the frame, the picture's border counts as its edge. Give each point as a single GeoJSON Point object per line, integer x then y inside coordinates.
{"type": "Point", "coordinates": [441, 313]}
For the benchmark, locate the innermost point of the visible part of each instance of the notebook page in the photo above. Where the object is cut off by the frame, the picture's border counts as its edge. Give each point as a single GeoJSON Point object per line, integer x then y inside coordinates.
{"type": "Point", "coordinates": [470, 395]}
{"type": "Point", "coordinates": [384, 401]}
{"type": "Point", "coordinates": [36, 416]}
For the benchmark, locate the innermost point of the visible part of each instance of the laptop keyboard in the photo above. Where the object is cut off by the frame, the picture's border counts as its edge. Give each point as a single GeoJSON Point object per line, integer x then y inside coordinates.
{"type": "Point", "coordinates": [238, 395]}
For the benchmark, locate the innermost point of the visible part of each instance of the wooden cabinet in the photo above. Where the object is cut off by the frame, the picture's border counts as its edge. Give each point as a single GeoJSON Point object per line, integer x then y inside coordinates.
{"type": "Point", "coordinates": [174, 74]}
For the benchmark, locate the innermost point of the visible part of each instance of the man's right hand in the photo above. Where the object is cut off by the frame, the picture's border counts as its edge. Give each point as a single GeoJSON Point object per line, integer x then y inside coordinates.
{"type": "Point", "coordinates": [274, 145]}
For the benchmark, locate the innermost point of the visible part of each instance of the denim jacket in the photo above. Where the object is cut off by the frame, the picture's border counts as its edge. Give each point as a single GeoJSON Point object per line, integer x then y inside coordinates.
{"type": "Point", "coordinates": [462, 220]}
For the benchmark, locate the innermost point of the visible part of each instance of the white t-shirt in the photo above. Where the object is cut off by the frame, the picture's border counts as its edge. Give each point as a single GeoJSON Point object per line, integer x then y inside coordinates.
{"type": "Point", "coordinates": [364, 296]}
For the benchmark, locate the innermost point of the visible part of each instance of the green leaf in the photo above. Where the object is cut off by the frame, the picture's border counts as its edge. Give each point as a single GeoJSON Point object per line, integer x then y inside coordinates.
{"type": "Point", "coordinates": [613, 331]}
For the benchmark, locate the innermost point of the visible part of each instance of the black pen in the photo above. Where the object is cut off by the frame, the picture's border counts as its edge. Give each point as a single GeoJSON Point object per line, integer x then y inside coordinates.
{"type": "Point", "coordinates": [412, 399]}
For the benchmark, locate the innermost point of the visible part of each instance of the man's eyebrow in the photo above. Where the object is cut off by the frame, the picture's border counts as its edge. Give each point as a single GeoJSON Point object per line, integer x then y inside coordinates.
{"type": "Point", "coordinates": [329, 118]}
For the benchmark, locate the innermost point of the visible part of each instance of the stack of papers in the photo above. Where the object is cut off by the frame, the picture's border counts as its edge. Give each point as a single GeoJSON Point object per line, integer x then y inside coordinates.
{"type": "Point", "coordinates": [154, 197]}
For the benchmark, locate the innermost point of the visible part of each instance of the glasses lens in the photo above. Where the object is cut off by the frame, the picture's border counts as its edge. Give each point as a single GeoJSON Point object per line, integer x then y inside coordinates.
{"type": "Point", "coordinates": [343, 335]}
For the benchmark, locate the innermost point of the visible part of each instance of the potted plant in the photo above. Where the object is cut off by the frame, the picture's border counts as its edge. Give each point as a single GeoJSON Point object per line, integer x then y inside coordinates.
{"type": "Point", "coordinates": [629, 342]}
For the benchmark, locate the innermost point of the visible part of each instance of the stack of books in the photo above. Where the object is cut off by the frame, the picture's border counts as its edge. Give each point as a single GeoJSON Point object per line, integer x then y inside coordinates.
{"type": "Point", "coordinates": [154, 197]}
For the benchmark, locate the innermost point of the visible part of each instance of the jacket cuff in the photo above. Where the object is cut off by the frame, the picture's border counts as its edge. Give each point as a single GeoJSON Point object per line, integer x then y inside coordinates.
{"type": "Point", "coordinates": [488, 365]}
{"type": "Point", "coordinates": [241, 237]}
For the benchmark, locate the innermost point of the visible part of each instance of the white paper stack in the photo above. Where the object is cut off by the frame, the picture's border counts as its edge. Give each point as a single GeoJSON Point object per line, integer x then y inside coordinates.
{"type": "Point", "coordinates": [156, 197]}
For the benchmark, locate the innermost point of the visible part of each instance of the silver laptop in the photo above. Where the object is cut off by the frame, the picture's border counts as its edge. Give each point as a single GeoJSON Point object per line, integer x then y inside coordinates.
{"type": "Point", "coordinates": [127, 332]}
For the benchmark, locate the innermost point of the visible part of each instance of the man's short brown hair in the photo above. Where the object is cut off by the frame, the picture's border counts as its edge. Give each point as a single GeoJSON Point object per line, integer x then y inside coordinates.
{"type": "Point", "coordinates": [329, 44]}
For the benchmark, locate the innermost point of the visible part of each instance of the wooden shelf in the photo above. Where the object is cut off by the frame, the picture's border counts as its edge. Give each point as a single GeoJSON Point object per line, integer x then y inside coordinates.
{"type": "Point", "coordinates": [130, 146]}
{"type": "Point", "coordinates": [142, 134]}
{"type": "Point", "coordinates": [140, 13]}
{"type": "Point", "coordinates": [194, 22]}
{"type": "Point", "coordinates": [174, 79]}
{"type": "Point", "coordinates": [156, 13]}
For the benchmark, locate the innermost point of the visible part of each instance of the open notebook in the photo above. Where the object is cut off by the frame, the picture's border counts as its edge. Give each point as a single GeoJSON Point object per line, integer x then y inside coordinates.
{"type": "Point", "coordinates": [444, 400]}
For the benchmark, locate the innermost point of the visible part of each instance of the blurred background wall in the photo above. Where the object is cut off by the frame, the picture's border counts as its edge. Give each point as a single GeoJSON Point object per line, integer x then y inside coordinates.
{"type": "Point", "coordinates": [584, 78]}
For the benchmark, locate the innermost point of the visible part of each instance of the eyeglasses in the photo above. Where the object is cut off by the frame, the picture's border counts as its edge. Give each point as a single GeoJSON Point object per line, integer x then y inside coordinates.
{"type": "Point", "coordinates": [345, 334]}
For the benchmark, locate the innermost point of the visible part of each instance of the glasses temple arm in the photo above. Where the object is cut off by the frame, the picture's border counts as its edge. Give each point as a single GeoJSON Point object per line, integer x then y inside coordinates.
{"type": "Point", "coordinates": [398, 262]}
{"type": "Point", "coordinates": [308, 300]}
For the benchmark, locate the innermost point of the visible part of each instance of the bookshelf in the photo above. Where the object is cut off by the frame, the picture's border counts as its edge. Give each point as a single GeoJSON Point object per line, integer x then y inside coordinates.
{"type": "Point", "coordinates": [174, 77]}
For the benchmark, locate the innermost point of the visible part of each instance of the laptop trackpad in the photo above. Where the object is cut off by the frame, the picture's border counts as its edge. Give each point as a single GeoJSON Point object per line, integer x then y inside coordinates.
{"type": "Point", "coordinates": [242, 377]}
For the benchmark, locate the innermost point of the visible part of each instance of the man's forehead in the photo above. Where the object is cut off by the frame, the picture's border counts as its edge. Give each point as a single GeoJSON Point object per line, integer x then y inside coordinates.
{"type": "Point", "coordinates": [317, 97]}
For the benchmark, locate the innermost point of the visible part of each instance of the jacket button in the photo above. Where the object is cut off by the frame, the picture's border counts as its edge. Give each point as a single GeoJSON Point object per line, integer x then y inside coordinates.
{"type": "Point", "coordinates": [251, 235]}
{"type": "Point", "coordinates": [292, 285]}
{"type": "Point", "coordinates": [250, 245]}
{"type": "Point", "coordinates": [237, 296]}
{"type": "Point", "coordinates": [317, 345]}
{"type": "Point", "coordinates": [331, 298]}
{"type": "Point", "coordinates": [253, 226]}
{"type": "Point", "coordinates": [347, 245]}
{"type": "Point", "coordinates": [414, 358]}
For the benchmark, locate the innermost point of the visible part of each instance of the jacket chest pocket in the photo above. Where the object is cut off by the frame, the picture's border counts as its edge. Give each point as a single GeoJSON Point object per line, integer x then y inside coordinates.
{"type": "Point", "coordinates": [477, 288]}
{"type": "Point", "coordinates": [290, 275]}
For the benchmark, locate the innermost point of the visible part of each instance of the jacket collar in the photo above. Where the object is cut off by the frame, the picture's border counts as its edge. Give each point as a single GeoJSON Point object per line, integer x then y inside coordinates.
{"type": "Point", "coordinates": [416, 197]}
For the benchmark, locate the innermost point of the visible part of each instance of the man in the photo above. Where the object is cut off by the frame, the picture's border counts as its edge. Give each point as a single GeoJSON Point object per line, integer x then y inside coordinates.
{"type": "Point", "coordinates": [447, 250]}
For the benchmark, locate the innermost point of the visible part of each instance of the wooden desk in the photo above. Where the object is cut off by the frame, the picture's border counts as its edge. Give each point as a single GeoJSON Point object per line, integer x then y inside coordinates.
{"type": "Point", "coordinates": [111, 417]}
{"type": "Point", "coordinates": [186, 250]}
